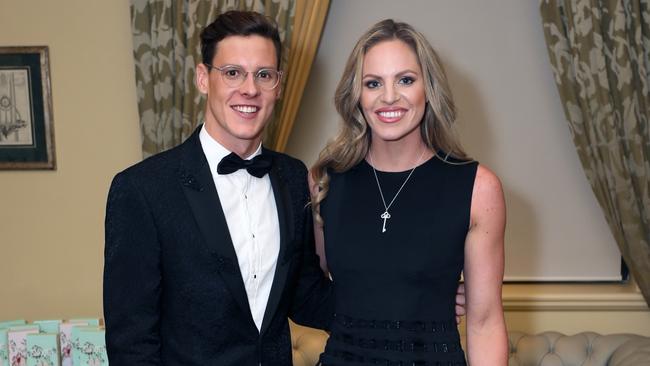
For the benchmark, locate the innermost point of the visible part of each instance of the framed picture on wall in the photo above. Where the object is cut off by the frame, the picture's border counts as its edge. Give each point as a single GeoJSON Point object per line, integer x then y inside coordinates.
{"type": "Point", "coordinates": [26, 126]}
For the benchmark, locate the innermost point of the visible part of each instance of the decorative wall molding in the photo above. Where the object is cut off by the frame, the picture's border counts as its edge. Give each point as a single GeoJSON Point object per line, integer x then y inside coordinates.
{"type": "Point", "coordinates": [578, 301]}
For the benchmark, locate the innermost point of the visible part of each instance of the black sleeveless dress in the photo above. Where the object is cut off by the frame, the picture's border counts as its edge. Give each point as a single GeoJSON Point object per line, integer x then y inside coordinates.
{"type": "Point", "coordinates": [395, 290]}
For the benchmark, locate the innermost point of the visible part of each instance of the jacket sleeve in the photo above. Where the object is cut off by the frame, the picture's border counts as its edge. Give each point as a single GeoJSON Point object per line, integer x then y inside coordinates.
{"type": "Point", "coordinates": [132, 277]}
{"type": "Point", "coordinates": [313, 300]}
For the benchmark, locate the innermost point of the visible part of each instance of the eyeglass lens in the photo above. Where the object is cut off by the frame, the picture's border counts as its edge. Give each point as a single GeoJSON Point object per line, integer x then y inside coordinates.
{"type": "Point", "coordinates": [234, 76]}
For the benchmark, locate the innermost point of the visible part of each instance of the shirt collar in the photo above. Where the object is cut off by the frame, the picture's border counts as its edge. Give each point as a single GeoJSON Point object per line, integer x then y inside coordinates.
{"type": "Point", "coordinates": [214, 151]}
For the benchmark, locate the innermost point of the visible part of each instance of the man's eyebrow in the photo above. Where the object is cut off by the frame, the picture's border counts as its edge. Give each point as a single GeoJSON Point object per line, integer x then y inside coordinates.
{"type": "Point", "coordinates": [257, 69]}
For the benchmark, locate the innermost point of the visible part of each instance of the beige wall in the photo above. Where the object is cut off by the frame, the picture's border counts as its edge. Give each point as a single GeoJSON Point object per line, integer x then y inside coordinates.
{"type": "Point", "coordinates": [51, 222]}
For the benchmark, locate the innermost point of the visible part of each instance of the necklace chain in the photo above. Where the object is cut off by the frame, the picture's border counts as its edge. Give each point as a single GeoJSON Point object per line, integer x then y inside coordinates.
{"type": "Point", "coordinates": [386, 215]}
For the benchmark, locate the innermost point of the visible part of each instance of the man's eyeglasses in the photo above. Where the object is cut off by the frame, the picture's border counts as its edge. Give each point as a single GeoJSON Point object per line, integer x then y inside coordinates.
{"type": "Point", "coordinates": [234, 76]}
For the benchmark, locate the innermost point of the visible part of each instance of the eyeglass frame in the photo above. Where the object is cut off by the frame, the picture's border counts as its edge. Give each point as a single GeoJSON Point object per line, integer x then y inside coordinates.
{"type": "Point", "coordinates": [222, 68]}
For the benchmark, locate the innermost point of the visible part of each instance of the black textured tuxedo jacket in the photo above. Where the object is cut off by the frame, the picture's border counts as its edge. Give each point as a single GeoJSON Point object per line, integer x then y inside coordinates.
{"type": "Point", "coordinates": [173, 291]}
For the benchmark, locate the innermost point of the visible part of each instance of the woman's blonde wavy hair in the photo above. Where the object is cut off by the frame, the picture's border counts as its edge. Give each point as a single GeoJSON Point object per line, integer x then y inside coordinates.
{"type": "Point", "coordinates": [351, 144]}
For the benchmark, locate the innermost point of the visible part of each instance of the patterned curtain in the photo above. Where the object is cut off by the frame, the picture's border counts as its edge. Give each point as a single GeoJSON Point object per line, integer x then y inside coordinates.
{"type": "Point", "coordinates": [166, 49]}
{"type": "Point", "coordinates": [307, 28]}
{"type": "Point", "coordinates": [600, 56]}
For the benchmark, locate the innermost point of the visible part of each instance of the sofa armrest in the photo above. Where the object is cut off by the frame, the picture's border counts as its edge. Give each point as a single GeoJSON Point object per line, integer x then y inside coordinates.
{"type": "Point", "coordinates": [632, 353]}
{"type": "Point", "coordinates": [587, 348]}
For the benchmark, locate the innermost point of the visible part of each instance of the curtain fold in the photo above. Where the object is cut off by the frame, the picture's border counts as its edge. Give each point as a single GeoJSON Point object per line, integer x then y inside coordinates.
{"type": "Point", "coordinates": [600, 57]}
{"type": "Point", "coordinates": [307, 29]}
{"type": "Point", "coordinates": [166, 49]}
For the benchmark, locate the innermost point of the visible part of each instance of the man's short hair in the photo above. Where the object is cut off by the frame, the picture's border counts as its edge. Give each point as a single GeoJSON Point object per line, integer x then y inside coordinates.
{"type": "Point", "coordinates": [238, 23]}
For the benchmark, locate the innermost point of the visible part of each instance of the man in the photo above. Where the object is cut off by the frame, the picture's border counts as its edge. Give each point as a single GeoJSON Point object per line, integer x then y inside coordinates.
{"type": "Point", "coordinates": [205, 261]}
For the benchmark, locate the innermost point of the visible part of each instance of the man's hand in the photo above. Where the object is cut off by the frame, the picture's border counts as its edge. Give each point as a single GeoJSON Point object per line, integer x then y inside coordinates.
{"type": "Point", "coordinates": [460, 302]}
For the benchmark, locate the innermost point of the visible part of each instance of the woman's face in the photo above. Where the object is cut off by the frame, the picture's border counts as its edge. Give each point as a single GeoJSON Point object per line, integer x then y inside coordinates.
{"type": "Point", "coordinates": [392, 94]}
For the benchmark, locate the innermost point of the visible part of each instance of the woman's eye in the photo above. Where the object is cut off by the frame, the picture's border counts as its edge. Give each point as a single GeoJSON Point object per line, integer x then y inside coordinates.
{"type": "Point", "coordinates": [372, 84]}
{"type": "Point", "coordinates": [406, 80]}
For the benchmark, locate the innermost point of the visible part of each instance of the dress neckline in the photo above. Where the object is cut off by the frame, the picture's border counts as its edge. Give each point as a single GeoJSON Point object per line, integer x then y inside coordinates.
{"type": "Point", "coordinates": [425, 162]}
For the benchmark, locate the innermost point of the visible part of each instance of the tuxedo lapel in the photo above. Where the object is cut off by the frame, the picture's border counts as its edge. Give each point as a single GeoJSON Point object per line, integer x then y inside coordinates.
{"type": "Point", "coordinates": [198, 186]}
{"type": "Point", "coordinates": [285, 219]}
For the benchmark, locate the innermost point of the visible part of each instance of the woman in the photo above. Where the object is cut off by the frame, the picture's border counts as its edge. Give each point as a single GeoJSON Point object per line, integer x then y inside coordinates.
{"type": "Point", "coordinates": [401, 211]}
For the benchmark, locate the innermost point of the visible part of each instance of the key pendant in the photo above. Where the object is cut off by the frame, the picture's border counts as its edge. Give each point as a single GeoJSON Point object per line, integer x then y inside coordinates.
{"type": "Point", "coordinates": [385, 216]}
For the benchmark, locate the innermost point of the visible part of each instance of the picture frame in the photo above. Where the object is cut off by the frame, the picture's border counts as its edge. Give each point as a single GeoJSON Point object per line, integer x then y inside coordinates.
{"type": "Point", "coordinates": [26, 124]}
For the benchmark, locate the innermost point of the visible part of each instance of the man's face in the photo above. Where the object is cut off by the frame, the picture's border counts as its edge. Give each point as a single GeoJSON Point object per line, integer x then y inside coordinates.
{"type": "Point", "coordinates": [236, 116]}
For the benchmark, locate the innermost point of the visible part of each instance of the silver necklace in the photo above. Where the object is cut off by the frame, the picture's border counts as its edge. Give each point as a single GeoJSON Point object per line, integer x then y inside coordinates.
{"type": "Point", "coordinates": [386, 215]}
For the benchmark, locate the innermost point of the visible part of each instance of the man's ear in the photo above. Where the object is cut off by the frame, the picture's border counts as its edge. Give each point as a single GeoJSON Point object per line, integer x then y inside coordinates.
{"type": "Point", "coordinates": [278, 91]}
{"type": "Point", "coordinates": [202, 78]}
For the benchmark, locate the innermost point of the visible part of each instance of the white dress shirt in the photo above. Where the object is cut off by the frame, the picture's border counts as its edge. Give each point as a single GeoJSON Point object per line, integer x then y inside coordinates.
{"type": "Point", "coordinates": [252, 217]}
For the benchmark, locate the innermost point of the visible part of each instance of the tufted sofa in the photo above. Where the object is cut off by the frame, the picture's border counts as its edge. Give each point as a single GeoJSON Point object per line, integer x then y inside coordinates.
{"type": "Point", "coordinates": [544, 349]}
{"type": "Point", "coordinates": [307, 344]}
{"type": "Point", "coordinates": [584, 349]}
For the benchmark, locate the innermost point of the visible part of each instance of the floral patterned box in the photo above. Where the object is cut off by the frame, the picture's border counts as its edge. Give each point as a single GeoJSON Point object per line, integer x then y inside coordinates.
{"type": "Point", "coordinates": [4, 347]}
{"type": "Point", "coordinates": [12, 323]}
{"type": "Point", "coordinates": [43, 349]}
{"type": "Point", "coordinates": [95, 322]}
{"type": "Point", "coordinates": [65, 334]}
{"type": "Point", "coordinates": [17, 341]}
{"type": "Point", "coordinates": [89, 346]}
{"type": "Point", "coordinates": [48, 326]}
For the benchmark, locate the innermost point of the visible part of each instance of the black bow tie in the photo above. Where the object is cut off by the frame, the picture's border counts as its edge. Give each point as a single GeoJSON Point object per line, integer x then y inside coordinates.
{"type": "Point", "coordinates": [257, 167]}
